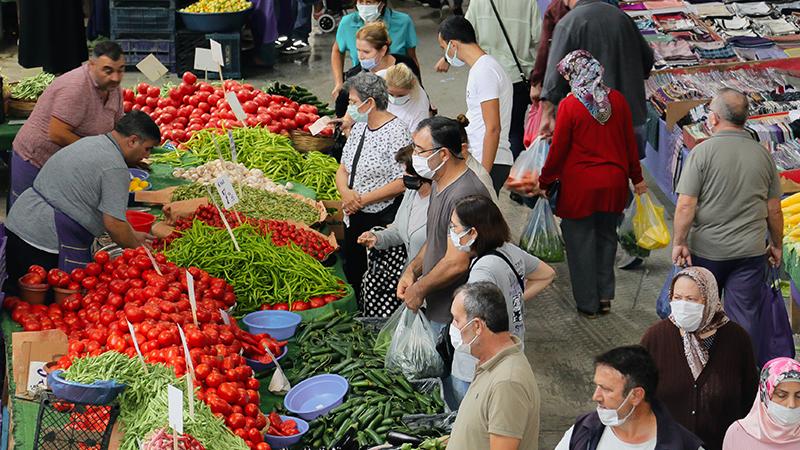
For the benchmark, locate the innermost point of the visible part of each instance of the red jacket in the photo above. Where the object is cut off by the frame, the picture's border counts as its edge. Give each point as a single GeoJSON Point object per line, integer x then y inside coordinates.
{"type": "Point", "coordinates": [593, 161]}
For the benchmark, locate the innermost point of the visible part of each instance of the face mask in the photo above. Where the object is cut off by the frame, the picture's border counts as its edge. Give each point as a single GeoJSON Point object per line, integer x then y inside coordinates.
{"type": "Point", "coordinates": [356, 115]}
{"type": "Point", "coordinates": [458, 343]}
{"type": "Point", "coordinates": [369, 64]}
{"type": "Point", "coordinates": [610, 418]}
{"type": "Point", "coordinates": [420, 164]}
{"type": "Point", "coordinates": [782, 415]}
{"type": "Point", "coordinates": [399, 101]}
{"type": "Point", "coordinates": [368, 13]}
{"type": "Point", "coordinates": [687, 315]}
{"type": "Point", "coordinates": [455, 238]}
{"type": "Point", "coordinates": [453, 61]}
{"type": "Point", "coordinates": [412, 182]}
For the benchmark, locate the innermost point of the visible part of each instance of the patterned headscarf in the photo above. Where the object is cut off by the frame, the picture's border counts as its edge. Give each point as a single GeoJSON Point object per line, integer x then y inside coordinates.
{"type": "Point", "coordinates": [713, 316]}
{"type": "Point", "coordinates": [758, 423]}
{"type": "Point", "coordinates": [585, 76]}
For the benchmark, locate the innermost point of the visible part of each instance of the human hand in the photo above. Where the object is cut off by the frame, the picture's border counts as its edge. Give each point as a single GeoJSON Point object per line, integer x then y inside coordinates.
{"type": "Point", "coordinates": [681, 256]}
{"type": "Point", "coordinates": [548, 120]}
{"type": "Point", "coordinates": [406, 280]}
{"type": "Point", "coordinates": [775, 255]}
{"type": "Point", "coordinates": [536, 91]}
{"type": "Point", "coordinates": [367, 239]}
{"type": "Point", "coordinates": [336, 90]}
{"type": "Point", "coordinates": [640, 188]}
{"type": "Point", "coordinates": [527, 185]}
{"type": "Point", "coordinates": [145, 239]}
{"type": "Point", "coordinates": [442, 65]}
{"type": "Point", "coordinates": [351, 201]}
{"type": "Point", "coordinates": [413, 297]}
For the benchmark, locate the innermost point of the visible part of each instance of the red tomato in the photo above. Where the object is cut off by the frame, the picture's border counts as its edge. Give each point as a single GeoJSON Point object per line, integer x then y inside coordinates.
{"type": "Point", "coordinates": [281, 306]}
{"type": "Point", "coordinates": [189, 77]}
{"type": "Point", "coordinates": [299, 306]}
{"type": "Point", "coordinates": [153, 91]}
{"type": "Point", "coordinates": [142, 88]}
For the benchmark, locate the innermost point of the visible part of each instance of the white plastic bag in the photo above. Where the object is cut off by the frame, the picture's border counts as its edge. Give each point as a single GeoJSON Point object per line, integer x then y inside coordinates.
{"type": "Point", "coordinates": [530, 162]}
{"type": "Point", "coordinates": [413, 349]}
{"type": "Point", "coordinates": [542, 237]}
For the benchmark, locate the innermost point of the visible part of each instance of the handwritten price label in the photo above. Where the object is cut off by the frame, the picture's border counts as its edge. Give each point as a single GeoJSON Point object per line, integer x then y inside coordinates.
{"type": "Point", "coordinates": [226, 191]}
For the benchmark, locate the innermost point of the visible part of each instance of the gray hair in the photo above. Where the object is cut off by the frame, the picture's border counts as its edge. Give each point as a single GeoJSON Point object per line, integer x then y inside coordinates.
{"type": "Point", "coordinates": [368, 85]}
{"type": "Point", "coordinates": [485, 301]}
{"type": "Point", "coordinates": [731, 106]}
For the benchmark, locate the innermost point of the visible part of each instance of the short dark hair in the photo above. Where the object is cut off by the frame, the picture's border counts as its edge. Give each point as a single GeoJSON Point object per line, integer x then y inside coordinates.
{"type": "Point", "coordinates": [636, 365]}
{"type": "Point", "coordinates": [481, 213]}
{"type": "Point", "coordinates": [459, 29]}
{"type": "Point", "coordinates": [445, 132]}
{"type": "Point", "coordinates": [107, 48]}
{"type": "Point", "coordinates": [485, 301]}
{"type": "Point", "coordinates": [139, 124]}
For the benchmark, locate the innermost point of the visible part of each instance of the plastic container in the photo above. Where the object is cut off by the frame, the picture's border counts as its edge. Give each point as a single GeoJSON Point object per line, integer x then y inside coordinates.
{"type": "Point", "coordinates": [139, 173]}
{"type": "Point", "coordinates": [215, 22]}
{"type": "Point", "coordinates": [259, 367]}
{"type": "Point", "coordinates": [277, 442]}
{"type": "Point", "coordinates": [98, 393]}
{"type": "Point", "coordinates": [138, 49]}
{"type": "Point", "coordinates": [62, 425]}
{"type": "Point", "coordinates": [33, 293]}
{"type": "Point", "coordinates": [281, 325]}
{"type": "Point", "coordinates": [61, 293]}
{"type": "Point", "coordinates": [140, 221]}
{"type": "Point", "coordinates": [186, 42]}
{"type": "Point", "coordinates": [139, 21]}
{"type": "Point", "coordinates": [316, 396]}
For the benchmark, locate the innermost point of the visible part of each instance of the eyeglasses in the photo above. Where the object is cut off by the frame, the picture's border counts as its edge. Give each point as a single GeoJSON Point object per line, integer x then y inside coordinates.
{"type": "Point", "coordinates": [419, 150]}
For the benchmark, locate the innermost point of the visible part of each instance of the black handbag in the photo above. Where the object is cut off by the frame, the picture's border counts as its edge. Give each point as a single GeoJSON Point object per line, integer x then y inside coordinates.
{"type": "Point", "coordinates": [379, 283]}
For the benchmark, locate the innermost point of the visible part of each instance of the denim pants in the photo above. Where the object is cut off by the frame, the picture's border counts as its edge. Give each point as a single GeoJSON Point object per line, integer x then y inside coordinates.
{"type": "Point", "coordinates": [454, 389]}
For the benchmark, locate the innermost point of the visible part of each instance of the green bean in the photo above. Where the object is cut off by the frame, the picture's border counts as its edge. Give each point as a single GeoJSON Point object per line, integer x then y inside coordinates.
{"type": "Point", "coordinates": [32, 87]}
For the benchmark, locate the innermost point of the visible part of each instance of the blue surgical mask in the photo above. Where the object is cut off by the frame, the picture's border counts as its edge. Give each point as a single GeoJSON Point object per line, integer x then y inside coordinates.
{"type": "Point", "coordinates": [368, 64]}
{"type": "Point", "coordinates": [369, 13]}
{"type": "Point", "coordinates": [356, 115]}
{"type": "Point", "coordinates": [452, 60]}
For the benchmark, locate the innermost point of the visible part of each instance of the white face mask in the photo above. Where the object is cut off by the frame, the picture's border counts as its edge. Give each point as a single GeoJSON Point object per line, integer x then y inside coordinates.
{"type": "Point", "coordinates": [421, 166]}
{"type": "Point", "coordinates": [458, 343]}
{"type": "Point", "coordinates": [369, 13]}
{"type": "Point", "coordinates": [610, 417]}
{"type": "Point", "coordinates": [687, 315]}
{"type": "Point", "coordinates": [455, 238]}
{"type": "Point", "coordinates": [399, 101]}
{"type": "Point", "coordinates": [782, 415]}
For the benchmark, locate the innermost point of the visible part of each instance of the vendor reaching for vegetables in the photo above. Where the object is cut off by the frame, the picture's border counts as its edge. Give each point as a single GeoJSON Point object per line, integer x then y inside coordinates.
{"type": "Point", "coordinates": [86, 101]}
{"type": "Point", "coordinates": [80, 193]}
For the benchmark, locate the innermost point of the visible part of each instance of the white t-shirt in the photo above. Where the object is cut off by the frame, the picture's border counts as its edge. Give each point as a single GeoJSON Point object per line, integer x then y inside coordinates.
{"type": "Point", "coordinates": [609, 441]}
{"type": "Point", "coordinates": [488, 81]}
{"type": "Point", "coordinates": [415, 111]}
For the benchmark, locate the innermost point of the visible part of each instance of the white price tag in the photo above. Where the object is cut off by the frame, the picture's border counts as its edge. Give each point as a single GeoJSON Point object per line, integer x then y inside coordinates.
{"type": "Point", "coordinates": [189, 370]}
{"type": "Point", "coordinates": [319, 125]}
{"type": "Point", "coordinates": [226, 191]}
{"type": "Point", "coordinates": [152, 68]}
{"type": "Point", "coordinates": [175, 399]}
{"type": "Point", "coordinates": [224, 220]}
{"type": "Point", "coordinates": [236, 107]}
{"type": "Point", "coordinates": [203, 60]}
{"type": "Point", "coordinates": [216, 53]}
{"type": "Point", "coordinates": [225, 318]}
{"type": "Point", "coordinates": [136, 343]}
{"type": "Point", "coordinates": [192, 299]}
{"type": "Point", "coordinates": [233, 146]}
{"type": "Point", "coordinates": [152, 260]}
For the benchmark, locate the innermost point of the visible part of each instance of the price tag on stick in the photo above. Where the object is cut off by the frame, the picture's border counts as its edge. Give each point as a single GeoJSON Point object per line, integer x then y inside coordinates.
{"type": "Point", "coordinates": [152, 68]}
{"type": "Point", "coordinates": [233, 146]}
{"type": "Point", "coordinates": [189, 370]}
{"type": "Point", "coordinates": [219, 152]}
{"type": "Point", "coordinates": [204, 61]}
{"type": "Point", "coordinates": [224, 220]}
{"type": "Point", "coordinates": [136, 345]}
{"type": "Point", "coordinates": [192, 299]}
{"type": "Point", "coordinates": [225, 318]}
{"type": "Point", "coordinates": [152, 260]}
{"type": "Point", "coordinates": [236, 107]}
{"type": "Point", "coordinates": [226, 191]}
{"type": "Point", "coordinates": [175, 405]}
{"type": "Point", "coordinates": [216, 54]}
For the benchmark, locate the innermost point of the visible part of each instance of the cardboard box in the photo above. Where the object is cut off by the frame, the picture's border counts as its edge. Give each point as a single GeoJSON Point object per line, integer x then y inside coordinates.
{"type": "Point", "coordinates": [34, 349]}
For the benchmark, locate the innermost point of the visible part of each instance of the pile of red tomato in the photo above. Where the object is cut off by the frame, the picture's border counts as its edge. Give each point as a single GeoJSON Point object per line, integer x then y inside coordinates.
{"type": "Point", "coordinates": [129, 289]}
{"type": "Point", "coordinates": [193, 106]}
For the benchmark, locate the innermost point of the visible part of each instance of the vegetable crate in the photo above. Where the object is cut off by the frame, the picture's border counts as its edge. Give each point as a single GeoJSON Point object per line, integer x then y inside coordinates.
{"type": "Point", "coordinates": [142, 18]}
{"type": "Point", "coordinates": [73, 426]}
{"type": "Point", "coordinates": [136, 50]}
{"type": "Point", "coordinates": [187, 41]}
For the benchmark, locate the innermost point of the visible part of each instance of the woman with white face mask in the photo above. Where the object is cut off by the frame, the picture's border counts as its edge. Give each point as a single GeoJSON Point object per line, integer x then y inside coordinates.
{"type": "Point", "coordinates": [407, 100]}
{"type": "Point", "coordinates": [707, 370]}
{"type": "Point", "coordinates": [774, 420]}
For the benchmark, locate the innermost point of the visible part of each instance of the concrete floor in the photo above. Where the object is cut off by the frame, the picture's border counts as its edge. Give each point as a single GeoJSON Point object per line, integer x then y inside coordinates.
{"type": "Point", "coordinates": [559, 344]}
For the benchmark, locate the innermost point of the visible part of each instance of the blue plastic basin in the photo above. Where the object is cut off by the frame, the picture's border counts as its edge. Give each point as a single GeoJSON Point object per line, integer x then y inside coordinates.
{"type": "Point", "coordinates": [281, 325]}
{"type": "Point", "coordinates": [316, 396]}
{"type": "Point", "coordinates": [277, 442]}
{"type": "Point", "coordinates": [97, 393]}
{"type": "Point", "coordinates": [215, 22]}
{"type": "Point", "coordinates": [259, 367]}
{"type": "Point", "coordinates": [139, 173]}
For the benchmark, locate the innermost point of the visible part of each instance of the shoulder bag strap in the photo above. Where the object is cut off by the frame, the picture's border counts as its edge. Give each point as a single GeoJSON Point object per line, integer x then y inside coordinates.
{"type": "Point", "coordinates": [356, 157]}
{"type": "Point", "coordinates": [500, 255]}
{"type": "Point", "coordinates": [508, 41]}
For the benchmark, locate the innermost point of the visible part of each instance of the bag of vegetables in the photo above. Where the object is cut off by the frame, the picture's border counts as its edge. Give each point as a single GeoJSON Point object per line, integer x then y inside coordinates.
{"type": "Point", "coordinates": [413, 348]}
{"type": "Point", "coordinates": [541, 237]}
{"type": "Point", "coordinates": [649, 225]}
{"type": "Point", "coordinates": [627, 237]}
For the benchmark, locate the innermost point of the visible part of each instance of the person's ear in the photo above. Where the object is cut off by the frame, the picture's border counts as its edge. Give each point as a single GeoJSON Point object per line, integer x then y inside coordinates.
{"type": "Point", "coordinates": [638, 395]}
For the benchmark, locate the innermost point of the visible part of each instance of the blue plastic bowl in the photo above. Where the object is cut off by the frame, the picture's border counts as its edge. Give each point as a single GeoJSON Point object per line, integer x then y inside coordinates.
{"type": "Point", "coordinates": [281, 325]}
{"type": "Point", "coordinates": [277, 442]}
{"type": "Point", "coordinates": [316, 396]}
{"type": "Point", "coordinates": [215, 22]}
{"type": "Point", "coordinates": [259, 367]}
{"type": "Point", "coordinates": [97, 393]}
{"type": "Point", "coordinates": [139, 173]}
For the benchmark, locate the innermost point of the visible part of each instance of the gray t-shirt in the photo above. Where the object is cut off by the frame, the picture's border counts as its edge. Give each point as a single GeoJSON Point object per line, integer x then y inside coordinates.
{"type": "Point", "coordinates": [732, 177]}
{"type": "Point", "coordinates": [439, 212]}
{"type": "Point", "coordinates": [84, 180]}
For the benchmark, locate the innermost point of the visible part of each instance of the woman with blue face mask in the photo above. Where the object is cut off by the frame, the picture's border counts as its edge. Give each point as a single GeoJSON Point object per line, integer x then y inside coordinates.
{"type": "Point", "coordinates": [369, 179]}
{"type": "Point", "coordinates": [401, 30]}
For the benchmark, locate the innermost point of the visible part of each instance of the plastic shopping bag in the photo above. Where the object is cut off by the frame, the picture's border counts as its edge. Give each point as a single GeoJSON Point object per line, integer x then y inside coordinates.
{"type": "Point", "coordinates": [384, 339]}
{"type": "Point", "coordinates": [532, 122]}
{"type": "Point", "coordinates": [772, 334]}
{"type": "Point", "coordinates": [530, 162]}
{"type": "Point", "coordinates": [663, 308]}
{"type": "Point", "coordinates": [413, 349]}
{"type": "Point", "coordinates": [542, 238]}
{"type": "Point", "coordinates": [627, 237]}
{"type": "Point", "coordinates": [648, 224]}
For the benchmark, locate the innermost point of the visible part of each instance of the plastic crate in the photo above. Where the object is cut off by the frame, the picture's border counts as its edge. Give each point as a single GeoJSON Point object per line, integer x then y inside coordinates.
{"type": "Point", "coordinates": [143, 3]}
{"type": "Point", "coordinates": [73, 426]}
{"type": "Point", "coordinates": [187, 41]}
{"type": "Point", "coordinates": [142, 21]}
{"type": "Point", "coordinates": [137, 50]}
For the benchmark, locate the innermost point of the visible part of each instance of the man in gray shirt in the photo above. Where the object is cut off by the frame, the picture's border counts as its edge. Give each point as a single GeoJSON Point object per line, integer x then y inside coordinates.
{"type": "Point", "coordinates": [80, 193]}
{"type": "Point", "coordinates": [729, 204]}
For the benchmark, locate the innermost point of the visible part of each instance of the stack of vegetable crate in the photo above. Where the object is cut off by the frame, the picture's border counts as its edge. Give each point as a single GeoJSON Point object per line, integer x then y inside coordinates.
{"type": "Point", "coordinates": [142, 27]}
{"type": "Point", "coordinates": [187, 41]}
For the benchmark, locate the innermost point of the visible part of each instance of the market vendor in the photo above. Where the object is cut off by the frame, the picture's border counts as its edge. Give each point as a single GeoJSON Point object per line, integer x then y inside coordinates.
{"type": "Point", "coordinates": [80, 193]}
{"type": "Point", "coordinates": [86, 101]}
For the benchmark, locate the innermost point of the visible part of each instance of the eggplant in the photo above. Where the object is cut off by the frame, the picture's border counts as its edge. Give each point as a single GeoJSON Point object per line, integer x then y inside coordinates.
{"type": "Point", "coordinates": [398, 438]}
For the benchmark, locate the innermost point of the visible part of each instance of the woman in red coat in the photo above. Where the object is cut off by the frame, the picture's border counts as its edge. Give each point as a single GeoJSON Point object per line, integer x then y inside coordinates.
{"type": "Point", "coordinates": [593, 155]}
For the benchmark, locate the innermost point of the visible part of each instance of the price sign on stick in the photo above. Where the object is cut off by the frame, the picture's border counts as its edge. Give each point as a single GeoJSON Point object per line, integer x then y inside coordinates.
{"type": "Point", "coordinates": [216, 53]}
{"type": "Point", "coordinates": [224, 220]}
{"type": "Point", "coordinates": [204, 61]}
{"type": "Point", "coordinates": [233, 146]}
{"type": "Point", "coordinates": [152, 68]}
{"type": "Point", "coordinates": [192, 299]}
{"type": "Point", "coordinates": [175, 404]}
{"type": "Point", "coordinates": [136, 345]}
{"type": "Point", "coordinates": [152, 260]}
{"type": "Point", "coordinates": [226, 191]}
{"type": "Point", "coordinates": [225, 318]}
{"type": "Point", "coordinates": [236, 107]}
{"type": "Point", "coordinates": [189, 370]}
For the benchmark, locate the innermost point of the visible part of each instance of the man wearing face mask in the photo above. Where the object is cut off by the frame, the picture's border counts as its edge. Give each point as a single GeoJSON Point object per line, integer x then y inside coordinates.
{"type": "Point", "coordinates": [501, 408]}
{"type": "Point", "coordinates": [627, 417]}
{"type": "Point", "coordinates": [439, 267]}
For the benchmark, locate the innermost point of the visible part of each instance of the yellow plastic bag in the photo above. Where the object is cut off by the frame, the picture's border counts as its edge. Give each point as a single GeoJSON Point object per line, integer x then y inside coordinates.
{"type": "Point", "coordinates": [649, 226]}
